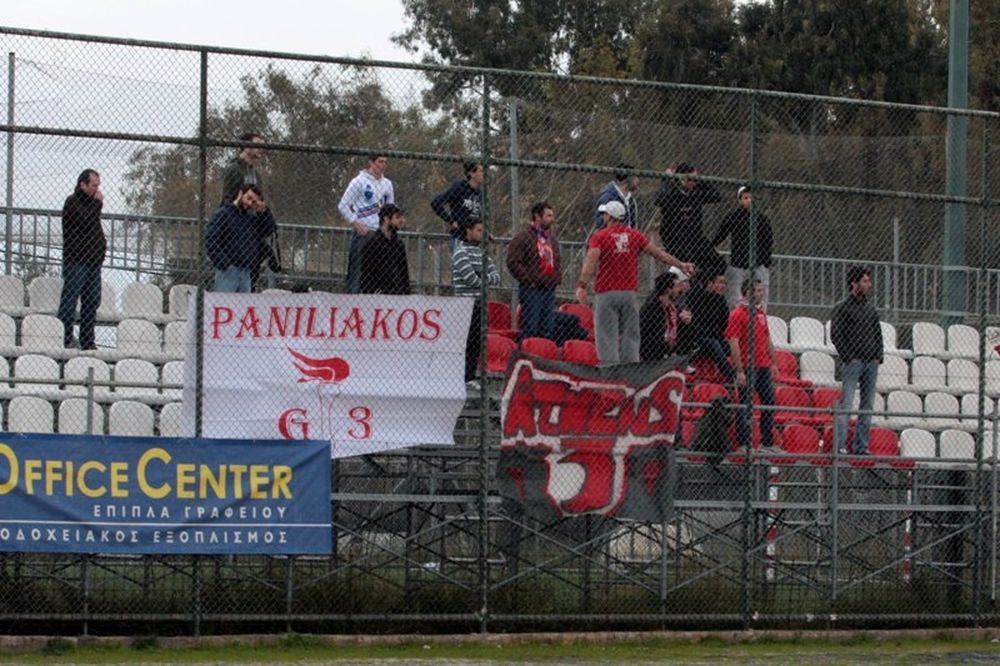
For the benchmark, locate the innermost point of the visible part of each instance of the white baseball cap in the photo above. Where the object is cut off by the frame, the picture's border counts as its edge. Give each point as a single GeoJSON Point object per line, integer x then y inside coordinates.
{"type": "Point", "coordinates": [681, 275]}
{"type": "Point", "coordinates": [613, 208]}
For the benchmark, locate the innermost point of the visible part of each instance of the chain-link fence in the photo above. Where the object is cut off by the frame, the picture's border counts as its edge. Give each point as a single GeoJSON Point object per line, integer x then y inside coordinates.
{"type": "Point", "coordinates": [881, 511]}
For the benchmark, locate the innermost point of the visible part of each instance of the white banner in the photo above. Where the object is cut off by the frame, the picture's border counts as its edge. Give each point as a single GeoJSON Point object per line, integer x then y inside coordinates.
{"type": "Point", "coordinates": [368, 372]}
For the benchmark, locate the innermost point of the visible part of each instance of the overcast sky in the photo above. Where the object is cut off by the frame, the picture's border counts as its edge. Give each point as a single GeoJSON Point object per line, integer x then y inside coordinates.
{"type": "Point", "coordinates": [332, 28]}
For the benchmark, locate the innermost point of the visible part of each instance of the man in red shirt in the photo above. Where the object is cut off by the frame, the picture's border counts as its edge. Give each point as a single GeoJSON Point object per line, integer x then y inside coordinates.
{"type": "Point", "coordinates": [614, 253]}
{"type": "Point", "coordinates": [761, 362]}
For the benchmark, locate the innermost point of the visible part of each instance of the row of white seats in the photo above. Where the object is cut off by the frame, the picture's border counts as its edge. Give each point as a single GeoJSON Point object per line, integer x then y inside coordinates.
{"type": "Point", "coordinates": [138, 299]}
{"type": "Point", "coordinates": [32, 414]}
{"type": "Point", "coordinates": [132, 379]}
{"type": "Point", "coordinates": [43, 334]}
{"type": "Point", "coordinates": [922, 375]}
{"type": "Point", "coordinates": [808, 334]}
{"type": "Point", "coordinates": [955, 445]}
{"type": "Point", "coordinates": [936, 411]}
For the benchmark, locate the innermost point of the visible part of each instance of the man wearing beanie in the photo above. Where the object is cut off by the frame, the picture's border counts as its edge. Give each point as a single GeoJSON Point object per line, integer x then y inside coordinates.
{"type": "Point", "coordinates": [622, 189]}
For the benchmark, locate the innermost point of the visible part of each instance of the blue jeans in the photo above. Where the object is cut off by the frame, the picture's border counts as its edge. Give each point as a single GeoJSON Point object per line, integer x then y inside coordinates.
{"type": "Point", "coordinates": [84, 283]}
{"type": "Point", "coordinates": [763, 387]}
{"type": "Point", "coordinates": [353, 282]}
{"type": "Point", "coordinates": [855, 374]}
{"type": "Point", "coordinates": [233, 280]}
{"type": "Point", "coordinates": [719, 353]}
{"type": "Point", "coordinates": [538, 312]}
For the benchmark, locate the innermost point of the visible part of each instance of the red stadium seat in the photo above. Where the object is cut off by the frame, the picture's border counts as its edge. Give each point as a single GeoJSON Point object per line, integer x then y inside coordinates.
{"type": "Point", "coordinates": [498, 351]}
{"type": "Point", "coordinates": [798, 438]}
{"type": "Point", "coordinates": [498, 319]}
{"type": "Point", "coordinates": [792, 396]}
{"type": "Point", "coordinates": [580, 352]}
{"type": "Point", "coordinates": [788, 370]}
{"type": "Point", "coordinates": [704, 392]}
{"type": "Point", "coordinates": [585, 314]}
{"type": "Point", "coordinates": [540, 347]}
{"type": "Point", "coordinates": [825, 398]}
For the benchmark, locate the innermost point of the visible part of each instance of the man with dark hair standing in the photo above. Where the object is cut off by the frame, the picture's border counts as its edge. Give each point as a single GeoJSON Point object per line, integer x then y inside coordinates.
{"type": "Point", "coordinates": [242, 170]}
{"type": "Point", "coordinates": [680, 201]}
{"type": "Point", "coordinates": [84, 247]}
{"type": "Point", "coordinates": [857, 334]}
{"type": "Point", "coordinates": [365, 195]}
{"type": "Point", "coordinates": [663, 322]}
{"type": "Point", "coordinates": [736, 225]}
{"type": "Point", "coordinates": [757, 358]}
{"type": "Point", "coordinates": [468, 279]}
{"type": "Point", "coordinates": [533, 260]}
{"type": "Point", "coordinates": [384, 269]}
{"type": "Point", "coordinates": [463, 199]}
{"type": "Point", "coordinates": [622, 189]}
{"type": "Point", "coordinates": [233, 237]}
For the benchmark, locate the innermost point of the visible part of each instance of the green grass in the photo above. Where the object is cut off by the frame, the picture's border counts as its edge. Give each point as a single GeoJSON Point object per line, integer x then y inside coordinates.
{"type": "Point", "coordinates": [306, 649]}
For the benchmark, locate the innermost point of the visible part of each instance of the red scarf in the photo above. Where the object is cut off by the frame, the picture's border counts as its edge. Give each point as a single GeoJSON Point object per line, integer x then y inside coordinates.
{"type": "Point", "coordinates": [670, 321]}
{"type": "Point", "coordinates": [546, 255]}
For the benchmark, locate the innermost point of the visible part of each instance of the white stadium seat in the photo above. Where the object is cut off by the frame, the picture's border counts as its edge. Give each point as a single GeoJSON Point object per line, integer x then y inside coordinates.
{"type": "Point", "coordinates": [893, 374]}
{"type": "Point", "coordinates": [178, 299]}
{"type": "Point", "coordinates": [917, 443]}
{"type": "Point", "coordinates": [175, 339]}
{"type": "Point", "coordinates": [173, 373]}
{"type": "Point", "coordinates": [29, 413]}
{"type": "Point", "coordinates": [927, 373]}
{"type": "Point", "coordinates": [941, 411]}
{"type": "Point", "coordinates": [819, 368]}
{"type": "Point", "coordinates": [963, 342]}
{"type": "Point", "coordinates": [130, 419]}
{"type": "Point", "coordinates": [37, 367]}
{"type": "Point", "coordinates": [779, 331]}
{"type": "Point", "coordinates": [928, 339]}
{"type": "Point", "coordinates": [43, 294]}
{"type": "Point", "coordinates": [957, 445]}
{"type": "Point", "coordinates": [139, 338]}
{"type": "Point", "coordinates": [76, 369]}
{"type": "Point", "coordinates": [142, 300]}
{"type": "Point", "coordinates": [963, 376]}
{"type": "Point", "coordinates": [134, 370]}
{"type": "Point", "coordinates": [42, 333]}
{"type": "Point", "coordinates": [904, 410]}
{"type": "Point", "coordinates": [12, 296]}
{"type": "Point", "coordinates": [170, 420]}
{"type": "Point", "coordinates": [806, 333]}
{"type": "Point", "coordinates": [108, 310]}
{"type": "Point", "coordinates": [73, 417]}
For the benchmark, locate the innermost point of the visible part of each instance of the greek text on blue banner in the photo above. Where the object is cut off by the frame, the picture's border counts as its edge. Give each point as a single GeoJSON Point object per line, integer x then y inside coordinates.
{"type": "Point", "coordinates": [135, 495]}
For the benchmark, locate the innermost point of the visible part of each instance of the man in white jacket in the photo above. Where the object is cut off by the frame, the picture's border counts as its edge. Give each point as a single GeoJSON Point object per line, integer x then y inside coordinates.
{"type": "Point", "coordinates": [364, 196]}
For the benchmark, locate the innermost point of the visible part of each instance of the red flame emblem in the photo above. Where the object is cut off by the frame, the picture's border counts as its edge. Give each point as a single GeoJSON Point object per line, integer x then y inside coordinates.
{"type": "Point", "coordinates": [324, 370]}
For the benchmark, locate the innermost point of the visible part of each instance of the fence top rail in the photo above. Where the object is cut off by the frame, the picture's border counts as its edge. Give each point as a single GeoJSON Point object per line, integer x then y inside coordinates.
{"type": "Point", "coordinates": [466, 69]}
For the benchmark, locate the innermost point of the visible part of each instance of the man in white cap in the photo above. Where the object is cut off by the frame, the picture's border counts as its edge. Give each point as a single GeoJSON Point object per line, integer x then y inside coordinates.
{"type": "Point", "coordinates": [614, 252]}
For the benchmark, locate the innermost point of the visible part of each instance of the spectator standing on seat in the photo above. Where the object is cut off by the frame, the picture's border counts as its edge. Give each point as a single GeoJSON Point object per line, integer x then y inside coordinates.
{"type": "Point", "coordinates": [758, 359]}
{"type": "Point", "coordinates": [856, 332]}
{"type": "Point", "coordinates": [622, 189]}
{"type": "Point", "coordinates": [710, 315]}
{"type": "Point", "coordinates": [614, 253]}
{"type": "Point", "coordinates": [365, 195]}
{"type": "Point", "coordinates": [84, 248]}
{"type": "Point", "coordinates": [662, 319]}
{"type": "Point", "coordinates": [533, 260]}
{"type": "Point", "coordinates": [680, 201]}
{"type": "Point", "coordinates": [384, 269]}
{"type": "Point", "coordinates": [467, 280]}
{"type": "Point", "coordinates": [463, 199]}
{"type": "Point", "coordinates": [233, 238]}
{"type": "Point", "coordinates": [242, 170]}
{"type": "Point", "coordinates": [736, 226]}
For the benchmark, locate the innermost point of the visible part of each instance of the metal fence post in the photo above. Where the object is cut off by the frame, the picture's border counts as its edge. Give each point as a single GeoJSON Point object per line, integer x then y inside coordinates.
{"type": "Point", "coordinates": [9, 230]}
{"type": "Point", "coordinates": [484, 401]}
{"type": "Point", "coordinates": [745, 413]}
{"type": "Point", "coordinates": [980, 485]}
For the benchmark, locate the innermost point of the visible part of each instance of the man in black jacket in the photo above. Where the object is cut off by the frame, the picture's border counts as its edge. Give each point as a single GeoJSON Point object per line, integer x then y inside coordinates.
{"type": "Point", "coordinates": [242, 170]}
{"type": "Point", "coordinates": [680, 201]}
{"type": "Point", "coordinates": [233, 237]}
{"type": "Point", "coordinates": [84, 247]}
{"type": "Point", "coordinates": [736, 225]}
{"type": "Point", "coordinates": [664, 323]}
{"type": "Point", "coordinates": [857, 334]}
{"type": "Point", "coordinates": [710, 315]}
{"type": "Point", "coordinates": [463, 199]}
{"type": "Point", "coordinates": [384, 269]}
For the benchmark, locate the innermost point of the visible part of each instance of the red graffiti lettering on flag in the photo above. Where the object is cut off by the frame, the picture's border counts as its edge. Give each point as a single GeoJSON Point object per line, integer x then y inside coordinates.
{"type": "Point", "coordinates": [328, 373]}
{"type": "Point", "coordinates": [583, 442]}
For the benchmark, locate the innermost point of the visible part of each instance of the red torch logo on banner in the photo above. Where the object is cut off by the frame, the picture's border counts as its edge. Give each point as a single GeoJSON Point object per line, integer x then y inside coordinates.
{"type": "Point", "coordinates": [328, 373]}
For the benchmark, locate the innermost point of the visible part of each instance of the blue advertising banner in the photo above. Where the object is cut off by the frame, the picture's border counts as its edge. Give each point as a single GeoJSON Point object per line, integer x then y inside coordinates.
{"type": "Point", "coordinates": [73, 494]}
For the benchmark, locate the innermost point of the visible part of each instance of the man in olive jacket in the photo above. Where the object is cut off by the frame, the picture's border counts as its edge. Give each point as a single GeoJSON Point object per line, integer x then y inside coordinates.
{"type": "Point", "coordinates": [533, 260]}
